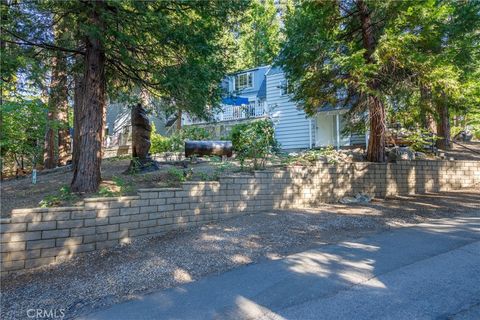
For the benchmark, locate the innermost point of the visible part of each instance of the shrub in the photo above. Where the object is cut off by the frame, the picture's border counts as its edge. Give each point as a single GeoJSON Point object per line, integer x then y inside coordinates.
{"type": "Point", "coordinates": [254, 140]}
{"type": "Point", "coordinates": [176, 142]}
{"type": "Point", "coordinates": [62, 196]}
{"type": "Point", "coordinates": [421, 139]}
{"type": "Point", "coordinates": [195, 133]}
{"type": "Point", "coordinates": [159, 143]}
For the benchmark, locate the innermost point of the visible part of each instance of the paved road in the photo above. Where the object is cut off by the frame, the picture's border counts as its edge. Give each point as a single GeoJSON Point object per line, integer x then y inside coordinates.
{"type": "Point", "coordinates": [431, 271]}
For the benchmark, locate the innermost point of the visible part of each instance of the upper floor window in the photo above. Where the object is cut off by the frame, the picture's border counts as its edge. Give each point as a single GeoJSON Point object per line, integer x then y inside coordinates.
{"type": "Point", "coordinates": [286, 88]}
{"type": "Point", "coordinates": [243, 81]}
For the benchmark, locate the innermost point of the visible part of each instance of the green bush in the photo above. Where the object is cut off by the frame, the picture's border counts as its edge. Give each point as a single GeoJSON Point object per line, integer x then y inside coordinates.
{"type": "Point", "coordinates": [420, 139]}
{"type": "Point", "coordinates": [195, 133]}
{"type": "Point", "coordinates": [159, 143]}
{"type": "Point", "coordinates": [62, 196]}
{"type": "Point", "coordinates": [176, 142]}
{"type": "Point", "coordinates": [254, 140]}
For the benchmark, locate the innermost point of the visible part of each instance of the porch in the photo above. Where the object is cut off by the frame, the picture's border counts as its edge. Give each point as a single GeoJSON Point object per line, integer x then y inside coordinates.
{"type": "Point", "coordinates": [228, 112]}
{"type": "Point", "coordinates": [330, 124]}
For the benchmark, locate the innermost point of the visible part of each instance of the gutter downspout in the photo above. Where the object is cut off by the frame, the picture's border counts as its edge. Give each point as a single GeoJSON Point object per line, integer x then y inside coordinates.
{"type": "Point", "coordinates": [310, 132]}
{"type": "Point", "coordinates": [338, 131]}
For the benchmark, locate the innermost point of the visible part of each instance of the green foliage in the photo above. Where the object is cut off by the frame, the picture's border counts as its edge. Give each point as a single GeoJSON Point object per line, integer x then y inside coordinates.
{"type": "Point", "coordinates": [62, 196]}
{"type": "Point", "coordinates": [126, 187]}
{"type": "Point", "coordinates": [159, 143]}
{"type": "Point", "coordinates": [254, 140]}
{"type": "Point", "coordinates": [105, 191]}
{"type": "Point", "coordinates": [420, 139]}
{"type": "Point", "coordinates": [195, 133]}
{"type": "Point", "coordinates": [328, 154]}
{"type": "Point", "coordinates": [176, 174]}
{"type": "Point", "coordinates": [259, 37]}
{"type": "Point", "coordinates": [23, 132]}
{"type": "Point", "coordinates": [176, 142]}
{"type": "Point", "coordinates": [429, 46]}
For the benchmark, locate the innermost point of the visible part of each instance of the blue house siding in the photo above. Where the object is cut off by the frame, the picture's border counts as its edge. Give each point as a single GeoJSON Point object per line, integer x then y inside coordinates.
{"type": "Point", "coordinates": [258, 91]}
{"type": "Point", "coordinates": [291, 124]}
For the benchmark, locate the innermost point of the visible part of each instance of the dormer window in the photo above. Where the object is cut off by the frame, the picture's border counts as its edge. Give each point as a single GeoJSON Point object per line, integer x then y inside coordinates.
{"type": "Point", "coordinates": [243, 81]}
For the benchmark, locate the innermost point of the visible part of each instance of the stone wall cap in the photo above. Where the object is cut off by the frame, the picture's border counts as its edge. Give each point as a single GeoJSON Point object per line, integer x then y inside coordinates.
{"type": "Point", "coordinates": [200, 182]}
{"type": "Point", "coordinates": [159, 189]}
{"type": "Point", "coordinates": [111, 198]}
{"type": "Point", "coordinates": [51, 209]}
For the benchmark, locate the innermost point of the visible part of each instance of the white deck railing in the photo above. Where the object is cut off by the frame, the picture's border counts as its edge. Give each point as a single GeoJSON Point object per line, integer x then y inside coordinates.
{"type": "Point", "coordinates": [231, 112]}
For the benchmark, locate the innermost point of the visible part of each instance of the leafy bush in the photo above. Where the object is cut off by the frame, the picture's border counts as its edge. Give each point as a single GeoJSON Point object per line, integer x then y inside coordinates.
{"type": "Point", "coordinates": [159, 143]}
{"type": "Point", "coordinates": [254, 140]}
{"type": "Point", "coordinates": [125, 186]}
{"type": "Point", "coordinates": [328, 154]}
{"type": "Point", "coordinates": [420, 139]}
{"type": "Point", "coordinates": [64, 195]}
{"type": "Point", "coordinates": [195, 133]}
{"type": "Point", "coordinates": [176, 142]}
{"type": "Point", "coordinates": [23, 133]}
{"type": "Point", "coordinates": [177, 174]}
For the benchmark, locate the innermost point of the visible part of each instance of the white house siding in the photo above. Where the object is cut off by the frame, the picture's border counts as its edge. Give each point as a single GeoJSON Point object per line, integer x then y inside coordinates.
{"type": "Point", "coordinates": [291, 124]}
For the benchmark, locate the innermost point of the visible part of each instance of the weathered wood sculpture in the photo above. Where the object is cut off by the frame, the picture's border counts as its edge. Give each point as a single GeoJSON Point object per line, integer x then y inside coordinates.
{"type": "Point", "coordinates": [141, 129]}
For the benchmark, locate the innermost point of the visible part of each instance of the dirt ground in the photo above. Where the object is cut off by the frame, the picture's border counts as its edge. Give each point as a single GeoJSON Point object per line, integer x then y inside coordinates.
{"type": "Point", "coordinates": [106, 277]}
{"type": "Point", "coordinates": [460, 151]}
{"type": "Point", "coordinates": [21, 193]}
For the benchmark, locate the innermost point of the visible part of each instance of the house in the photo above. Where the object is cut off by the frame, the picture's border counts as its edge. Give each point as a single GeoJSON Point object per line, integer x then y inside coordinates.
{"type": "Point", "coordinates": [119, 126]}
{"type": "Point", "coordinates": [263, 92]}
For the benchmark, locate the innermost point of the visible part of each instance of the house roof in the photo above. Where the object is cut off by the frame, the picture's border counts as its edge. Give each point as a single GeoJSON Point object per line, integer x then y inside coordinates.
{"type": "Point", "coordinates": [274, 70]}
{"type": "Point", "coordinates": [247, 70]}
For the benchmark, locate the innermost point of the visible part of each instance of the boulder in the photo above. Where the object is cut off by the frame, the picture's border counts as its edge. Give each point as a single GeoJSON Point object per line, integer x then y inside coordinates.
{"type": "Point", "coordinates": [400, 153]}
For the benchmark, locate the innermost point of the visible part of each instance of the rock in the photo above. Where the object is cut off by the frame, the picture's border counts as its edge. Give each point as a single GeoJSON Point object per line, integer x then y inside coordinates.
{"type": "Point", "coordinates": [400, 153]}
{"type": "Point", "coordinates": [359, 198]}
{"type": "Point", "coordinates": [420, 155]}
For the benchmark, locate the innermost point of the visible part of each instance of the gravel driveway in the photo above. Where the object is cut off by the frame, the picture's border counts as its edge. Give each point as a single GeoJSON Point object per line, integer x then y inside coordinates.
{"type": "Point", "coordinates": [106, 277]}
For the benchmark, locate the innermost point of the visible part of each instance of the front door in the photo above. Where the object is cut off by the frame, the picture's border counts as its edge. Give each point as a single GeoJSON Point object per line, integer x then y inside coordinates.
{"type": "Point", "coordinates": [325, 135]}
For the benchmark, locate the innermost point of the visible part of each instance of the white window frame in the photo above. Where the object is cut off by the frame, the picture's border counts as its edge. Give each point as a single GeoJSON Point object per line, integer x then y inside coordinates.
{"type": "Point", "coordinates": [285, 89]}
{"type": "Point", "coordinates": [247, 86]}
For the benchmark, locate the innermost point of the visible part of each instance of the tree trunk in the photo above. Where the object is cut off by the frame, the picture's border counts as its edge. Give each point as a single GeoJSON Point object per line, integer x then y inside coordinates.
{"type": "Point", "coordinates": [426, 118]}
{"type": "Point", "coordinates": [62, 113]}
{"type": "Point", "coordinates": [57, 110]}
{"type": "Point", "coordinates": [87, 174]}
{"type": "Point", "coordinates": [179, 120]}
{"type": "Point", "coordinates": [49, 153]}
{"type": "Point", "coordinates": [376, 143]}
{"type": "Point", "coordinates": [77, 112]}
{"type": "Point", "coordinates": [443, 126]}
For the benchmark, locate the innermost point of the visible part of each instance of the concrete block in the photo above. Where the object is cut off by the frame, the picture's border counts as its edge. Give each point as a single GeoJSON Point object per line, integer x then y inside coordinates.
{"type": "Point", "coordinates": [126, 211]}
{"type": "Point", "coordinates": [82, 231]}
{"type": "Point", "coordinates": [59, 233]}
{"type": "Point", "coordinates": [12, 227]}
{"type": "Point", "coordinates": [40, 244]}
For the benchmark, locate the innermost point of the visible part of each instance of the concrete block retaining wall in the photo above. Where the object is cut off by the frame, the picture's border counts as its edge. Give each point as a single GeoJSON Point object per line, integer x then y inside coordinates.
{"type": "Point", "coordinates": [34, 237]}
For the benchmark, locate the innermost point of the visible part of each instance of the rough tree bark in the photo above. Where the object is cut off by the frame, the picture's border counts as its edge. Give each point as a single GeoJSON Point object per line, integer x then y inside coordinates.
{"type": "Point", "coordinates": [443, 126]}
{"type": "Point", "coordinates": [426, 118]}
{"type": "Point", "coordinates": [57, 111]}
{"type": "Point", "coordinates": [179, 120]}
{"type": "Point", "coordinates": [87, 174]}
{"type": "Point", "coordinates": [77, 112]}
{"type": "Point", "coordinates": [376, 143]}
{"type": "Point", "coordinates": [49, 151]}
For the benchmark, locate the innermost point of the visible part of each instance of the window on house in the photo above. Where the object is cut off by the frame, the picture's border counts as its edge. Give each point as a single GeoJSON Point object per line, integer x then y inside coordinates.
{"type": "Point", "coordinates": [244, 80]}
{"type": "Point", "coordinates": [286, 88]}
